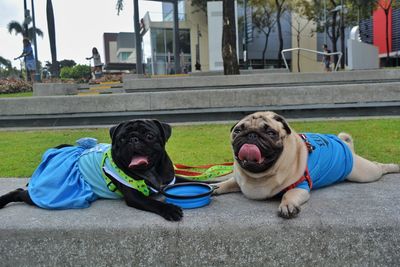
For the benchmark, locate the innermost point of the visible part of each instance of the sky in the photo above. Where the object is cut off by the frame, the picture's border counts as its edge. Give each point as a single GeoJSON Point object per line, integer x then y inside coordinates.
{"type": "Point", "coordinates": [80, 25]}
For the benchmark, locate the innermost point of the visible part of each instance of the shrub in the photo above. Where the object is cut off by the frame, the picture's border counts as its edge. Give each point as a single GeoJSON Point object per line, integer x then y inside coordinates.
{"type": "Point", "coordinates": [13, 85]}
{"type": "Point", "coordinates": [81, 72]}
{"type": "Point", "coordinates": [78, 72]}
{"type": "Point", "coordinates": [66, 73]}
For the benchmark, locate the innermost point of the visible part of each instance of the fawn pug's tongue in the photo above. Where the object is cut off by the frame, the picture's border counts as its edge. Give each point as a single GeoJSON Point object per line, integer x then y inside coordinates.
{"type": "Point", "coordinates": [138, 161]}
{"type": "Point", "coordinates": [250, 153]}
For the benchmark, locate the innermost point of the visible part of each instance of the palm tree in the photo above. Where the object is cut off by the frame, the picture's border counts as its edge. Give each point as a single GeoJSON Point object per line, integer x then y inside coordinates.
{"type": "Point", "coordinates": [52, 38]}
{"type": "Point", "coordinates": [18, 28]}
{"type": "Point", "coordinates": [5, 62]}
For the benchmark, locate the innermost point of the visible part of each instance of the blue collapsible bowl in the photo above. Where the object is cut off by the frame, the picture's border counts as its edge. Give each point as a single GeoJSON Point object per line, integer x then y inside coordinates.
{"type": "Point", "coordinates": [189, 195]}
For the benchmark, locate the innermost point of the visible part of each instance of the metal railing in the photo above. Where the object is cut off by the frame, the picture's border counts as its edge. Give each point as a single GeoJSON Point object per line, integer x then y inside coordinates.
{"type": "Point", "coordinates": [312, 51]}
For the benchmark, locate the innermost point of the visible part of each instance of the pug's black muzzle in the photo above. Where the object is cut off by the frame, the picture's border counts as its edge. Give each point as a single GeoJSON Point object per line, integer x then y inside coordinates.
{"type": "Point", "coordinates": [256, 152]}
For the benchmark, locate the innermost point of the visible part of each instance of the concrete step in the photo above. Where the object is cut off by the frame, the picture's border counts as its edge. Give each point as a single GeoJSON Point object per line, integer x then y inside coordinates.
{"type": "Point", "coordinates": [182, 100]}
{"type": "Point", "coordinates": [348, 224]}
{"type": "Point", "coordinates": [259, 80]}
{"type": "Point", "coordinates": [203, 105]}
{"type": "Point", "coordinates": [101, 88]}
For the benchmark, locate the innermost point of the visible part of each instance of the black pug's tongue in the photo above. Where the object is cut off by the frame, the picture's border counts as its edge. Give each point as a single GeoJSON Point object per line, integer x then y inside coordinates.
{"type": "Point", "coordinates": [138, 161]}
{"type": "Point", "coordinates": [250, 152]}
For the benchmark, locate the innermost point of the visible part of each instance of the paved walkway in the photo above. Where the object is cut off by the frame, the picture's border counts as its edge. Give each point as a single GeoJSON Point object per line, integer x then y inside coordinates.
{"type": "Point", "coordinates": [346, 224]}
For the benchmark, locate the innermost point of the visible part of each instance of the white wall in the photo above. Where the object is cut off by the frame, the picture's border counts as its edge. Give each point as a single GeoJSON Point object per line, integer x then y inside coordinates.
{"type": "Point", "coordinates": [113, 52]}
{"type": "Point", "coordinates": [362, 56]}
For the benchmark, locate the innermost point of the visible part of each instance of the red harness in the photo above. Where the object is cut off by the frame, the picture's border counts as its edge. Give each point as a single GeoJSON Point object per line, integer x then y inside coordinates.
{"type": "Point", "coordinates": [306, 175]}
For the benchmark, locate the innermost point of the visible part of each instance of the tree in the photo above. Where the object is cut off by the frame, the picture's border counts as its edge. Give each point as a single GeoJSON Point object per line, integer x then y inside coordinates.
{"type": "Point", "coordinates": [18, 28]}
{"type": "Point", "coordinates": [6, 68]}
{"type": "Point", "coordinates": [54, 69]}
{"type": "Point", "coordinates": [315, 12]}
{"type": "Point", "coordinates": [119, 6]}
{"type": "Point", "coordinates": [281, 8]}
{"type": "Point", "coordinates": [200, 4]}
{"type": "Point", "coordinates": [297, 23]}
{"type": "Point", "coordinates": [264, 19]}
{"type": "Point", "coordinates": [229, 55]}
{"type": "Point", "coordinates": [5, 62]}
{"type": "Point", "coordinates": [67, 63]}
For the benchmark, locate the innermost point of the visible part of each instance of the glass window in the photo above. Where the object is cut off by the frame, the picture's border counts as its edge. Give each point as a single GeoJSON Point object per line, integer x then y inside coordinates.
{"type": "Point", "coordinates": [123, 56]}
{"type": "Point", "coordinates": [162, 50]}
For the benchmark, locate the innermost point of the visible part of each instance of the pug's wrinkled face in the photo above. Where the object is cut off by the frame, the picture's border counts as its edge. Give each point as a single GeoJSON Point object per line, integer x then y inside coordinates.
{"type": "Point", "coordinates": [257, 141]}
{"type": "Point", "coordinates": [139, 145]}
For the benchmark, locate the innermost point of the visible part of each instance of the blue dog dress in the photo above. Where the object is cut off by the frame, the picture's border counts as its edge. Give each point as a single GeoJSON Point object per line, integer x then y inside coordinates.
{"type": "Point", "coordinates": [330, 161]}
{"type": "Point", "coordinates": [72, 177]}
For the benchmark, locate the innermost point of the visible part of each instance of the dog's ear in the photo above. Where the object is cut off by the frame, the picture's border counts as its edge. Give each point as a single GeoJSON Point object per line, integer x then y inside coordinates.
{"type": "Point", "coordinates": [113, 129]}
{"type": "Point", "coordinates": [164, 128]}
{"type": "Point", "coordinates": [284, 123]}
{"type": "Point", "coordinates": [233, 127]}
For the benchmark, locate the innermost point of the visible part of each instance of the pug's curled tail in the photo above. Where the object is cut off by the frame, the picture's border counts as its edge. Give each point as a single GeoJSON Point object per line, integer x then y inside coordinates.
{"type": "Point", "coordinates": [345, 137]}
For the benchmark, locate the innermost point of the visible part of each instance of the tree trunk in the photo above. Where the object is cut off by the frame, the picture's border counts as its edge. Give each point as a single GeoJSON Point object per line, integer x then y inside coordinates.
{"type": "Point", "coordinates": [342, 39]}
{"type": "Point", "coordinates": [52, 38]}
{"type": "Point", "coordinates": [278, 20]}
{"type": "Point", "coordinates": [229, 55]}
{"type": "Point", "coordinates": [387, 36]}
{"type": "Point", "coordinates": [334, 37]}
{"type": "Point", "coordinates": [25, 26]}
{"type": "Point", "coordinates": [298, 51]}
{"type": "Point", "coordinates": [265, 47]}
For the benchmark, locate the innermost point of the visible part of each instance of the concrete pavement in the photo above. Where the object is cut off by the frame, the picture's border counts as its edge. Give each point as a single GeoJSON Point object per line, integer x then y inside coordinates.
{"type": "Point", "coordinates": [347, 224]}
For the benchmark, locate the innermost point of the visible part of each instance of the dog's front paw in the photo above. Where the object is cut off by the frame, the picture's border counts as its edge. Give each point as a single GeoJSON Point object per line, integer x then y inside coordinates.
{"type": "Point", "coordinates": [171, 212]}
{"type": "Point", "coordinates": [288, 210]}
{"type": "Point", "coordinates": [216, 190]}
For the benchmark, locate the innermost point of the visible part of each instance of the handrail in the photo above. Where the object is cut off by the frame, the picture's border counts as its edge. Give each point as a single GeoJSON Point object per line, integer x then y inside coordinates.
{"type": "Point", "coordinates": [313, 51]}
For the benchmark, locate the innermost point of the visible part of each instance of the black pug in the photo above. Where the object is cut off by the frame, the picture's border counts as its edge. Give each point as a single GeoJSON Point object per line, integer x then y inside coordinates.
{"type": "Point", "coordinates": [132, 167]}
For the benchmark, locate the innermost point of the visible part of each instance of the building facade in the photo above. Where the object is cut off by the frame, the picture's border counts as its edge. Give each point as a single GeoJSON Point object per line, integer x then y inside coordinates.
{"type": "Point", "coordinates": [119, 51]}
{"type": "Point", "coordinates": [158, 51]}
{"type": "Point", "coordinates": [373, 31]}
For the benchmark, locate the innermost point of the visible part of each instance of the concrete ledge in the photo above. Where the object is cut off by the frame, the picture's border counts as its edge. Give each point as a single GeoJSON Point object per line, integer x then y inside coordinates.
{"type": "Point", "coordinates": [258, 79]}
{"type": "Point", "coordinates": [246, 72]}
{"type": "Point", "coordinates": [344, 225]}
{"type": "Point", "coordinates": [206, 115]}
{"type": "Point", "coordinates": [201, 99]}
{"type": "Point", "coordinates": [50, 89]}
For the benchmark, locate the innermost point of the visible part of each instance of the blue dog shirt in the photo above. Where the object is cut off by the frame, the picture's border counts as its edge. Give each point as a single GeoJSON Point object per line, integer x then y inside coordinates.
{"type": "Point", "coordinates": [329, 162]}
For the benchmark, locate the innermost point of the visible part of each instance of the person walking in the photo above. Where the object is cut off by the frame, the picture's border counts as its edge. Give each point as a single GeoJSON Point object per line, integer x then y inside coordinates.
{"type": "Point", "coordinates": [326, 58]}
{"type": "Point", "coordinates": [98, 66]}
{"type": "Point", "coordinates": [29, 59]}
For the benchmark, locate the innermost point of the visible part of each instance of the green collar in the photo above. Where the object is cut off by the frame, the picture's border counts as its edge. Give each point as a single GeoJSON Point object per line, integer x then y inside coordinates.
{"type": "Point", "coordinates": [139, 185]}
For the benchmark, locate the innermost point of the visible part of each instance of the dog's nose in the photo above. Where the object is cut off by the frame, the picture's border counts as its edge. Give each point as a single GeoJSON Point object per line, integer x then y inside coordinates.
{"type": "Point", "coordinates": [134, 140]}
{"type": "Point", "coordinates": [252, 136]}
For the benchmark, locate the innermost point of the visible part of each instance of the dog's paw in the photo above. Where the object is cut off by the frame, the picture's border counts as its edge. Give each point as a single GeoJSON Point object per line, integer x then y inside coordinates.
{"type": "Point", "coordinates": [288, 210]}
{"type": "Point", "coordinates": [171, 212]}
{"type": "Point", "coordinates": [216, 191]}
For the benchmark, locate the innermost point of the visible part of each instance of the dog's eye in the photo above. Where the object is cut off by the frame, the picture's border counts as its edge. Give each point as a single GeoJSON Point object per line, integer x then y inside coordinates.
{"type": "Point", "coordinates": [149, 136]}
{"type": "Point", "coordinates": [237, 130]}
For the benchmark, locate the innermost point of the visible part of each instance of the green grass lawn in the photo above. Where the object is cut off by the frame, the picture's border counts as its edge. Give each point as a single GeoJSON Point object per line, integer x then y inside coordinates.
{"type": "Point", "coordinates": [20, 151]}
{"type": "Point", "coordinates": [25, 94]}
